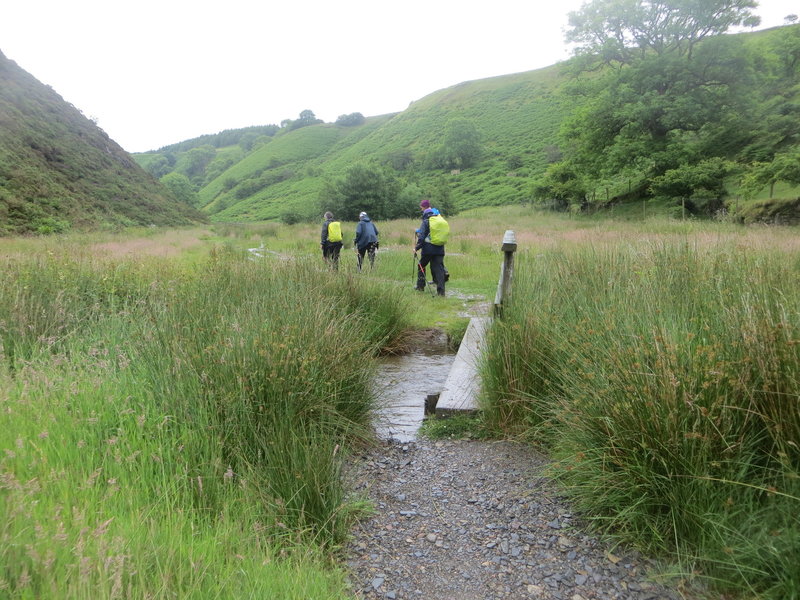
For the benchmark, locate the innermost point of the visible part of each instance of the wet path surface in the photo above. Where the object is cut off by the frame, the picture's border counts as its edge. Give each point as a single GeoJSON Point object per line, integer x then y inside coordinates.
{"type": "Point", "coordinates": [470, 520]}
{"type": "Point", "coordinates": [401, 385]}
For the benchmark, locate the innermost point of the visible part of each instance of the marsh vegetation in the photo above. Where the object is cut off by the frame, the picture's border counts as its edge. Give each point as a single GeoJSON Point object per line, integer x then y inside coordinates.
{"type": "Point", "coordinates": [174, 415]}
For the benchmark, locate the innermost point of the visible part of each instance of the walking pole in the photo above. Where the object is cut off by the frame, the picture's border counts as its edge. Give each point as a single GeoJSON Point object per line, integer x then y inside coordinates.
{"type": "Point", "coordinates": [416, 261]}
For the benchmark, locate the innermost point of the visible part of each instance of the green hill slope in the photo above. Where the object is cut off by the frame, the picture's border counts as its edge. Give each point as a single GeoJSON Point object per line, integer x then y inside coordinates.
{"type": "Point", "coordinates": [517, 117]}
{"type": "Point", "coordinates": [517, 121]}
{"type": "Point", "coordinates": [59, 170]}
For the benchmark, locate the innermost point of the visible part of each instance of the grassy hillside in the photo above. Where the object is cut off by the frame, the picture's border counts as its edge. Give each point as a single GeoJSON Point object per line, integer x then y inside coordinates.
{"type": "Point", "coordinates": [517, 120]}
{"type": "Point", "coordinates": [58, 170]}
{"type": "Point", "coordinates": [282, 175]}
{"type": "Point", "coordinates": [516, 115]}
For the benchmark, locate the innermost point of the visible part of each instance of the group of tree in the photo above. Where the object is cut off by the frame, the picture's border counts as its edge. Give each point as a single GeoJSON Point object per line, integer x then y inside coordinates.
{"type": "Point", "coordinates": [376, 189]}
{"type": "Point", "coordinates": [351, 120]}
{"type": "Point", "coordinates": [460, 148]}
{"type": "Point", "coordinates": [306, 118]}
{"type": "Point", "coordinates": [379, 189]}
{"type": "Point", "coordinates": [244, 137]}
{"type": "Point", "coordinates": [672, 108]}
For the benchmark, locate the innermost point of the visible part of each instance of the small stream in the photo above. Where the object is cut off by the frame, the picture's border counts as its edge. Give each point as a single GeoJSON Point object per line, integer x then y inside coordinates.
{"type": "Point", "coordinates": [401, 385]}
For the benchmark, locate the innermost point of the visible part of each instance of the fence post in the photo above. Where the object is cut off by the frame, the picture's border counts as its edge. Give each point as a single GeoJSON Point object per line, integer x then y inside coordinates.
{"type": "Point", "coordinates": [506, 272]}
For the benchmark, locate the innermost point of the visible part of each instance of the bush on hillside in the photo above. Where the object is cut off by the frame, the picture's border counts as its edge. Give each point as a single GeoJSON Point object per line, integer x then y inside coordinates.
{"type": "Point", "coordinates": [560, 187]}
{"type": "Point", "coordinates": [702, 184]}
{"type": "Point", "coordinates": [181, 188]}
{"type": "Point", "coordinates": [350, 120]}
{"type": "Point", "coordinates": [460, 148]}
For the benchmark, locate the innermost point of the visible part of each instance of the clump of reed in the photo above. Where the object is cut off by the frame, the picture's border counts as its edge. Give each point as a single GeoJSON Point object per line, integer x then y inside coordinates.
{"type": "Point", "coordinates": [665, 381]}
{"type": "Point", "coordinates": [178, 430]}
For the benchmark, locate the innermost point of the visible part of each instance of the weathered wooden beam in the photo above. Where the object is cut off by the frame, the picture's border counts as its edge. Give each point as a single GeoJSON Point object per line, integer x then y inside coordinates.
{"type": "Point", "coordinates": [509, 247]}
{"type": "Point", "coordinates": [462, 388]}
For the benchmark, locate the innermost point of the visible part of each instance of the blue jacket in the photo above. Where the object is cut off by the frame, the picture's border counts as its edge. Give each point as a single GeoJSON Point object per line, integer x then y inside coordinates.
{"type": "Point", "coordinates": [366, 233]}
{"type": "Point", "coordinates": [424, 233]}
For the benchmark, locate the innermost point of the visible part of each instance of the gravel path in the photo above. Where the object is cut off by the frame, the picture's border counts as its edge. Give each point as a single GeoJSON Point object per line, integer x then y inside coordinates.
{"type": "Point", "coordinates": [472, 520]}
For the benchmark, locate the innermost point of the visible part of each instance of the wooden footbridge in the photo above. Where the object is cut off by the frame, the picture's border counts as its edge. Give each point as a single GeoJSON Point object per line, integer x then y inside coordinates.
{"type": "Point", "coordinates": [461, 391]}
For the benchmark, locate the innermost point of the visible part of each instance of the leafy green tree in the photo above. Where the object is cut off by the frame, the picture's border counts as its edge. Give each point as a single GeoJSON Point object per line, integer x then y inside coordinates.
{"type": "Point", "coordinates": [400, 160]}
{"type": "Point", "coordinates": [559, 188]}
{"type": "Point", "coordinates": [159, 166]}
{"type": "Point", "coordinates": [366, 186]}
{"type": "Point", "coordinates": [407, 205]}
{"type": "Point", "coordinates": [221, 163]}
{"type": "Point", "coordinates": [784, 167]}
{"type": "Point", "coordinates": [679, 94]}
{"type": "Point", "coordinates": [193, 163]}
{"type": "Point", "coordinates": [181, 188]}
{"type": "Point", "coordinates": [666, 111]}
{"type": "Point", "coordinates": [626, 31]}
{"type": "Point", "coordinates": [350, 120]}
{"type": "Point", "coordinates": [701, 184]}
{"type": "Point", "coordinates": [307, 117]}
{"type": "Point", "coordinates": [248, 140]}
{"type": "Point", "coordinates": [787, 48]}
{"type": "Point", "coordinates": [461, 145]}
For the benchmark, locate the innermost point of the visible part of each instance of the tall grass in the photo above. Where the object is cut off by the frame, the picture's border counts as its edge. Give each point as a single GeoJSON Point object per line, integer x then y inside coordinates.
{"type": "Point", "coordinates": [177, 430]}
{"type": "Point", "coordinates": [665, 379]}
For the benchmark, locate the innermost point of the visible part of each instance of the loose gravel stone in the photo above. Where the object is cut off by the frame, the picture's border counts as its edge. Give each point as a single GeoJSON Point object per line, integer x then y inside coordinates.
{"type": "Point", "coordinates": [479, 521]}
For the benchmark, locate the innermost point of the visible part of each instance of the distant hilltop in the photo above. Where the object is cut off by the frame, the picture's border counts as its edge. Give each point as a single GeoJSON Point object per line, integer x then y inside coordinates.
{"type": "Point", "coordinates": [59, 171]}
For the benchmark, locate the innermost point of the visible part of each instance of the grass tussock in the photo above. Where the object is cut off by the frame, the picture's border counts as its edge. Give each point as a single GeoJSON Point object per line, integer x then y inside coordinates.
{"type": "Point", "coordinates": [665, 379]}
{"type": "Point", "coordinates": [177, 430]}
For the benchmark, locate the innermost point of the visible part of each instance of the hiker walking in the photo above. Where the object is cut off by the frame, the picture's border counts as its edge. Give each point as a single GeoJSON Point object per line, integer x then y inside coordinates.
{"type": "Point", "coordinates": [431, 241]}
{"type": "Point", "coordinates": [331, 240]}
{"type": "Point", "coordinates": [366, 241]}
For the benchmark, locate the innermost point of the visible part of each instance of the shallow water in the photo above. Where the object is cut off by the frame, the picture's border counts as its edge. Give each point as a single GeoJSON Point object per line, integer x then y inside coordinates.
{"type": "Point", "coordinates": [401, 385]}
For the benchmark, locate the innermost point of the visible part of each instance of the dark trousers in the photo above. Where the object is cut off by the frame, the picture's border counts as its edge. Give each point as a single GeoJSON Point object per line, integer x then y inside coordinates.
{"type": "Point", "coordinates": [330, 252]}
{"type": "Point", "coordinates": [437, 270]}
{"type": "Point", "coordinates": [370, 251]}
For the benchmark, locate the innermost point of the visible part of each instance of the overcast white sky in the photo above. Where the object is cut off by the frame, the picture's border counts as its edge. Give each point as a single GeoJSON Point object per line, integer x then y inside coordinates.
{"type": "Point", "coordinates": [156, 72]}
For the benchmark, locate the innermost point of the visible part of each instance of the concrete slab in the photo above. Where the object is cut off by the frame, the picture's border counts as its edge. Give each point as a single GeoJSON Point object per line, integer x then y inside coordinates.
{"type": "Point", "coordinates": [461, 390]}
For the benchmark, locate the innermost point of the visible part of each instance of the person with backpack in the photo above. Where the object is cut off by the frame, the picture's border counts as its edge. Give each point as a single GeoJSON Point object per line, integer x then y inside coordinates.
{"type": "Point", "coordinates": [331, 240]}
{"type": "Point", "coordinates": [436, 213]}
{"type": "Point", "coordinates": [431, 239]}
{"type": "Point", "coordinates": [366, 240]}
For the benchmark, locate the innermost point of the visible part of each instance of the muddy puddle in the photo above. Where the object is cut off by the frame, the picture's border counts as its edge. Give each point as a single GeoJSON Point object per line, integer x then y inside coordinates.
{"type": "Point", "coordinates": [401, 385]}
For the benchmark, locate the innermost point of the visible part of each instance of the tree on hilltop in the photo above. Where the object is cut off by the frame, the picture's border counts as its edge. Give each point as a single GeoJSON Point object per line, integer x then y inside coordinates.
{"type": "Point", "coordinates": [670, 101]}
{"type": "Point", "coordinates": [350, 120]}
{"type": "Point", "coordinates": [307, 117]}
{"type": "Point", "coordinates": [624, 31]}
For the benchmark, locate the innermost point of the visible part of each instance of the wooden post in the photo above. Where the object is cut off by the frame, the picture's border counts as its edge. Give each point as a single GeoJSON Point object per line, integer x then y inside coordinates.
{"type": "Point", "coordinates": [506, 272]}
